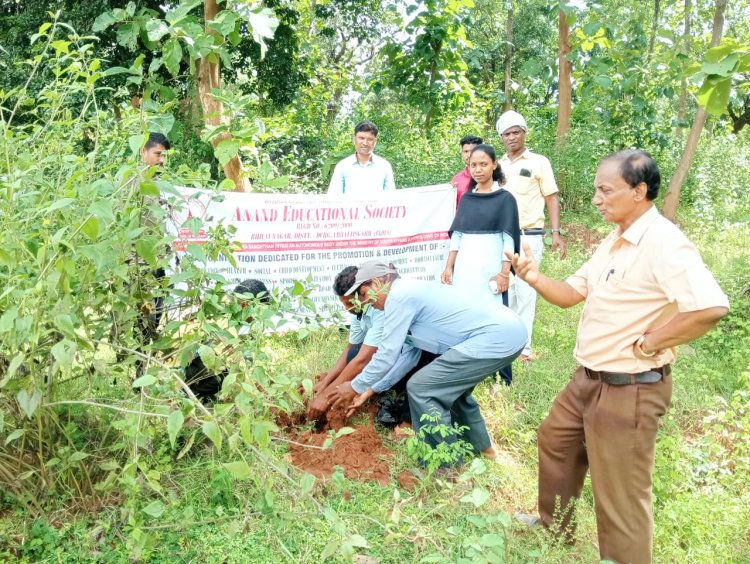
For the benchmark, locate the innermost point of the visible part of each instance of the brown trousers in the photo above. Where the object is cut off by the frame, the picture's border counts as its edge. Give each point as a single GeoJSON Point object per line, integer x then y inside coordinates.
{"type": "Point", "coordinates": [611, 431]}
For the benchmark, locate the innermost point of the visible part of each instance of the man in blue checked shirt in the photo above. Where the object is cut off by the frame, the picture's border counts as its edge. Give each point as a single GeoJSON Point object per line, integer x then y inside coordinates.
{"type": "Point", "coordinates": [362, 174]}
{"type": "Point", "coordinates": [473, 341]}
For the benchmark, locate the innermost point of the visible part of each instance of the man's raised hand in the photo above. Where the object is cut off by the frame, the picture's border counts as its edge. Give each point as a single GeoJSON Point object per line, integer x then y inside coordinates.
{"type": "Point", "coordinates": [525, 266]}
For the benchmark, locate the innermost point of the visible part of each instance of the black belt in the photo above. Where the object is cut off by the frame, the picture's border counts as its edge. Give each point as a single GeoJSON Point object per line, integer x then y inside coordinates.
{"type": "Point", "coordinates": [534, 231]}
{"type": "Point", "coordinates": [624, 378]}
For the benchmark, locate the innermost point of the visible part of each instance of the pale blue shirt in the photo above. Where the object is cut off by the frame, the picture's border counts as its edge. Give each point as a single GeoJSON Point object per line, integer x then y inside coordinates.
{"type": "Point", "coordinates": [506, 242]}
{"type": "Point", "coordinates": [353, 179]}
{"type": "Point", "coordinates": [368, 330]}
{"type": "Point", "coordinates": [435, 317]}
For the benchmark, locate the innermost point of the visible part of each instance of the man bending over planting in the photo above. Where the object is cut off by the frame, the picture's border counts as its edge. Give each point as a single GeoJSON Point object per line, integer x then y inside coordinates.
{"type": "Point", "coordinates": [473, 338]}
{"type": "Point", "coordinates": [365, 334]}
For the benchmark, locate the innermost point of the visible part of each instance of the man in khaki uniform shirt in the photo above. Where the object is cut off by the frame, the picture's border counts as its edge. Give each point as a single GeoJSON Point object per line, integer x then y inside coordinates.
{"type": "Point", "coordinates": [646, 290]}
{"type": "Point", "coordinates": [531, 181]}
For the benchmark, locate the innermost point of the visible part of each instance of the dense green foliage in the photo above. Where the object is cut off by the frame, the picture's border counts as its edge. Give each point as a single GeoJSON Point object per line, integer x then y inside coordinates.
{"type": "Point", "coordinates": [105, 456]}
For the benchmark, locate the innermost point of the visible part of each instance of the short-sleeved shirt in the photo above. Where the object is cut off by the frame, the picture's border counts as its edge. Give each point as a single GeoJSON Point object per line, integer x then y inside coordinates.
{"type": "Point", "coordinates": [435, 318]}
{"type": "Point", "coordinates": [351, 178]}
{"type": "Point", "coordinates": [636, 282]}
{"type": "Point", "coordinates": [367, 329]}
{"type": "Point", "coordinates": [530, 179]}
{"type": "Point", "coordinates": [461, 183]}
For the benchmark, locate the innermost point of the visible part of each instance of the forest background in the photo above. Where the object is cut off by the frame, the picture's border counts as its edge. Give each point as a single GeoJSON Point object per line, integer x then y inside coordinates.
{"type": "Point", "coordinates": [264, 97]}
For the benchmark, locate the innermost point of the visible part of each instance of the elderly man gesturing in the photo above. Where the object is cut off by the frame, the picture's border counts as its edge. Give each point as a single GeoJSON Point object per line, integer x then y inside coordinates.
{"type": "Point", "coordinates": [645, 290]}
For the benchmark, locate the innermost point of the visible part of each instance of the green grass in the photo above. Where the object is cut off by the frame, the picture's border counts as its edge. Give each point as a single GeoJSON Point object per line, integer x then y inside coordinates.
{"type": "Point", "coordinates": [701, 502]}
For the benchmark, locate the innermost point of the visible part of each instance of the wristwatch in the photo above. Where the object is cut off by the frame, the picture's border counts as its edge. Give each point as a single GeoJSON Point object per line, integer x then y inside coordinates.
{"type": "Point", "coordinates": [639, 346]}
{"type": "Point", "coordinates": [555, 230]}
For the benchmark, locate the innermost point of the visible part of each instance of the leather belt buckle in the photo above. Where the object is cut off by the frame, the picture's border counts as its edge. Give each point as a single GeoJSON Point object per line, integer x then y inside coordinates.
{"type": "Point", "coordinates": [624, 378]}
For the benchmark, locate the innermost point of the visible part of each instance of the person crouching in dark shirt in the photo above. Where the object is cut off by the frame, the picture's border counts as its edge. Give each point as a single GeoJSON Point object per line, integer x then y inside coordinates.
{"type": "Point", "coordinates": [204, 383]}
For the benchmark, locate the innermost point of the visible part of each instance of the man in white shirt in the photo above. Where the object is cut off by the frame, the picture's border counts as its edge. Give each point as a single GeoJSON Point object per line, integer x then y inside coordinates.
{"type": "Point", "coordinates": [530, 179]}
{"type": "Point", "coordinates": [363, 173]}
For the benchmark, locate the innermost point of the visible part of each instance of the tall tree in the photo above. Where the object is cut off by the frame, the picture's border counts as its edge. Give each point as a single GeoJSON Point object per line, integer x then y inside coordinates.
{"type": "Point", "coordinates": [179, 41]}
{"type": "Point", "coordinates": [430, 71]}
{"type": "Point", "coordinates": [687, 41]}
{"type": "Point", "coordinates": [564, 93]}
{"type": "Point", "coordinates": [654, 27]}
{"type": "Point", "coordinates": [672, 198]}
{"type": "Point", "coordinates": [208, 79]}
{"type": "Point", "coordinates": [508, 102]}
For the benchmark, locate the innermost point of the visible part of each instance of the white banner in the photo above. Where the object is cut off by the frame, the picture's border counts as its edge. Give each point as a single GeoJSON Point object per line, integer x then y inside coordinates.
{"type": "Point", "coordinates": [286, 237]}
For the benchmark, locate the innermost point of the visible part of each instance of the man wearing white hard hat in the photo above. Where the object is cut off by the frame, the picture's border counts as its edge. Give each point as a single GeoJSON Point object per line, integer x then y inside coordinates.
{"type": "Point", "coordinates": [530, 179]}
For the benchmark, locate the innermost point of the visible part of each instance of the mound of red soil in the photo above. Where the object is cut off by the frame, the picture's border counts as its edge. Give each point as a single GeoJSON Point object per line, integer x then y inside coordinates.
{"type": "Point", "coordinates": [335, 419]}
{"type": "Point", "coordinates": [360, 454]}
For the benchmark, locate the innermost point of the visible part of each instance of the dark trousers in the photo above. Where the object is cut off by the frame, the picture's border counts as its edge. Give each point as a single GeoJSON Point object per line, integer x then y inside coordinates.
{"type": "Point", "coordinates": [611, 432]}
{"type": "Point", "coordinates": [444, 388]}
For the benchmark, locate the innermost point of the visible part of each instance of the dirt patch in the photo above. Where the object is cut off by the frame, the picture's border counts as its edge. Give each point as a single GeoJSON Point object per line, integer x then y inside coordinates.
{"type": "Point", "coordinates": [360, 454]}
{"type": "Point", "coordinates": [335, 419]}
{"type": "Point", "coordinates": [582, 235]}
{"type": "Point", "coordinates": [288, 420]}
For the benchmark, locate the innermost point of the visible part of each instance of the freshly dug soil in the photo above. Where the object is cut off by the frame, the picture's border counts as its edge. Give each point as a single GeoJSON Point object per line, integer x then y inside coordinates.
{"type": "Point", "coordinates": [360, 454]}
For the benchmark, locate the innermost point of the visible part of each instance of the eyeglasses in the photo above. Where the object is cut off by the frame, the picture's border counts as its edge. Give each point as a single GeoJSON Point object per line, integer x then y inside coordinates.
{"type": "Point", "coordinates": [512, 133]}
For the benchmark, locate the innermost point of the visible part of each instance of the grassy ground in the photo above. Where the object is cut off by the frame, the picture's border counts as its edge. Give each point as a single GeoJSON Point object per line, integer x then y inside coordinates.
{"type": "Point", "coordinates": [702, 494]}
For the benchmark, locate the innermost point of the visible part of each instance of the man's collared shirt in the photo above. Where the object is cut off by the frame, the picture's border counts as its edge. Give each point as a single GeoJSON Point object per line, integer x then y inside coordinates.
{"type": "Point", "coordinates": [530, 179]}
{"type": "Point", "coordinates": [461, 183]}
{"type": "Point", "coordinates": [367, 329]}
{"type": "Point", "coordinates": [637, 281]}
{"type": "Point", "coordinates": [435, 318]}
{"type": "Point", "coordinates": [354, 179]}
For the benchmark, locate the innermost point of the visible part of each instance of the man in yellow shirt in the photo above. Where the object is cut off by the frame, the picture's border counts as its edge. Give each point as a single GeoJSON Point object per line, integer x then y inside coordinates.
{"type": "Point", "coordinates": [646, 290]}
{"type": "Point", "coordinates": [530, 179]}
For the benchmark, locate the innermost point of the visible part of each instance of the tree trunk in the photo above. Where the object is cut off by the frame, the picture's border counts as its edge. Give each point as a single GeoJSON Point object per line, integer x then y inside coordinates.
{"type": "Point", "coordinates": [508, 103]}
{"type": "Point", "coordinates": [213, 111]}
{"type": "Point", "coordinates": [672, 199]}
{"type": "Point", "coordinates": [436, 49]}
{"type": "Point", "coordinates": [682, 100]}
{"type": "Point", "coordinates": [565, 96]}
{"type": "Point", "coordinates": [654, 27]}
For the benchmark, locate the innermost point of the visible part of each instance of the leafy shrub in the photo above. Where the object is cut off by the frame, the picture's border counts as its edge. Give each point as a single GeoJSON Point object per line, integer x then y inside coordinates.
{"type": "Point", "coordinates": [450, 451]}
{"type": "Point", "coordinates": [79, 245]}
